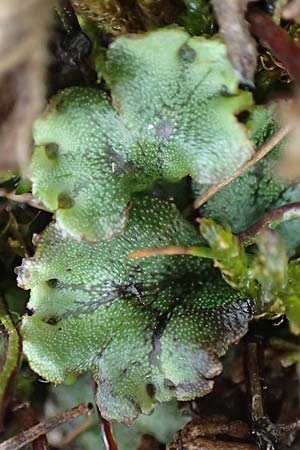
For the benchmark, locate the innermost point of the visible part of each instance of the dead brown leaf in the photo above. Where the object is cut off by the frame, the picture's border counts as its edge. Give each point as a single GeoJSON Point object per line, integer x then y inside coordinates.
{"type": "Point", "coordinates": [201, 434]}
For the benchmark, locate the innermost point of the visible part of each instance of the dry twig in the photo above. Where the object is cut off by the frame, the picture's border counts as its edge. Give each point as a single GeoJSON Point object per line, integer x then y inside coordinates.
{"type": "Point", "coordinates": [44, 427]}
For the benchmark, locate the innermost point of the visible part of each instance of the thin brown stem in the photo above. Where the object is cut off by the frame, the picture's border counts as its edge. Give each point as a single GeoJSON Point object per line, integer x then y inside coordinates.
{"type": "Point", "coordinates": [44, 427]}
{"type": "Point", "coordinates": [265, 430]}
{"type": "Point", "coordinates": [253, 370]}
{"type": "Point", "coordinates": [263, 151]}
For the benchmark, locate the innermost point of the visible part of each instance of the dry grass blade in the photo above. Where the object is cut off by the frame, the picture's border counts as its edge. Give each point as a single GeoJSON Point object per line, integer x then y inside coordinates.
{"type": "Point", "coordinates": [170, 250]}
{"type": "Point", "coordinates": [263, 151]}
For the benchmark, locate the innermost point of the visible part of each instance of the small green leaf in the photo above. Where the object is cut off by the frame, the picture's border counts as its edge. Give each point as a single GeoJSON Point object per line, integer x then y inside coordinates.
{"type": "Point", "coordinates": [266, 276]}
{"type": "Point", "coordinates": [228, 253]}
{"type": "Point", "coordinates": [149, 329]}
{"type": "Point", "coordinates": [174, 100]}
{"type": "Point", "coordinates": [270, 267]}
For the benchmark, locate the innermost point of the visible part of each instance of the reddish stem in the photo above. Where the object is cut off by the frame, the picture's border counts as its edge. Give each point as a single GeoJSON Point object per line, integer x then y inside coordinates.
{"type": "Point", "coordinates": [270, 220]}
{"type": "Point", "coordinates": [277, 40]}
{"type": "Point", "coordinates": [105, 426]}
{"type": "Point", "coordinates": [107, 434]}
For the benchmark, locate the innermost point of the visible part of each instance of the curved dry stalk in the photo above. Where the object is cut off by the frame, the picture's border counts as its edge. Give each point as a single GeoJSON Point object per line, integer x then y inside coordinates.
{"type": "Point", "coordinates": [263, 151]}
